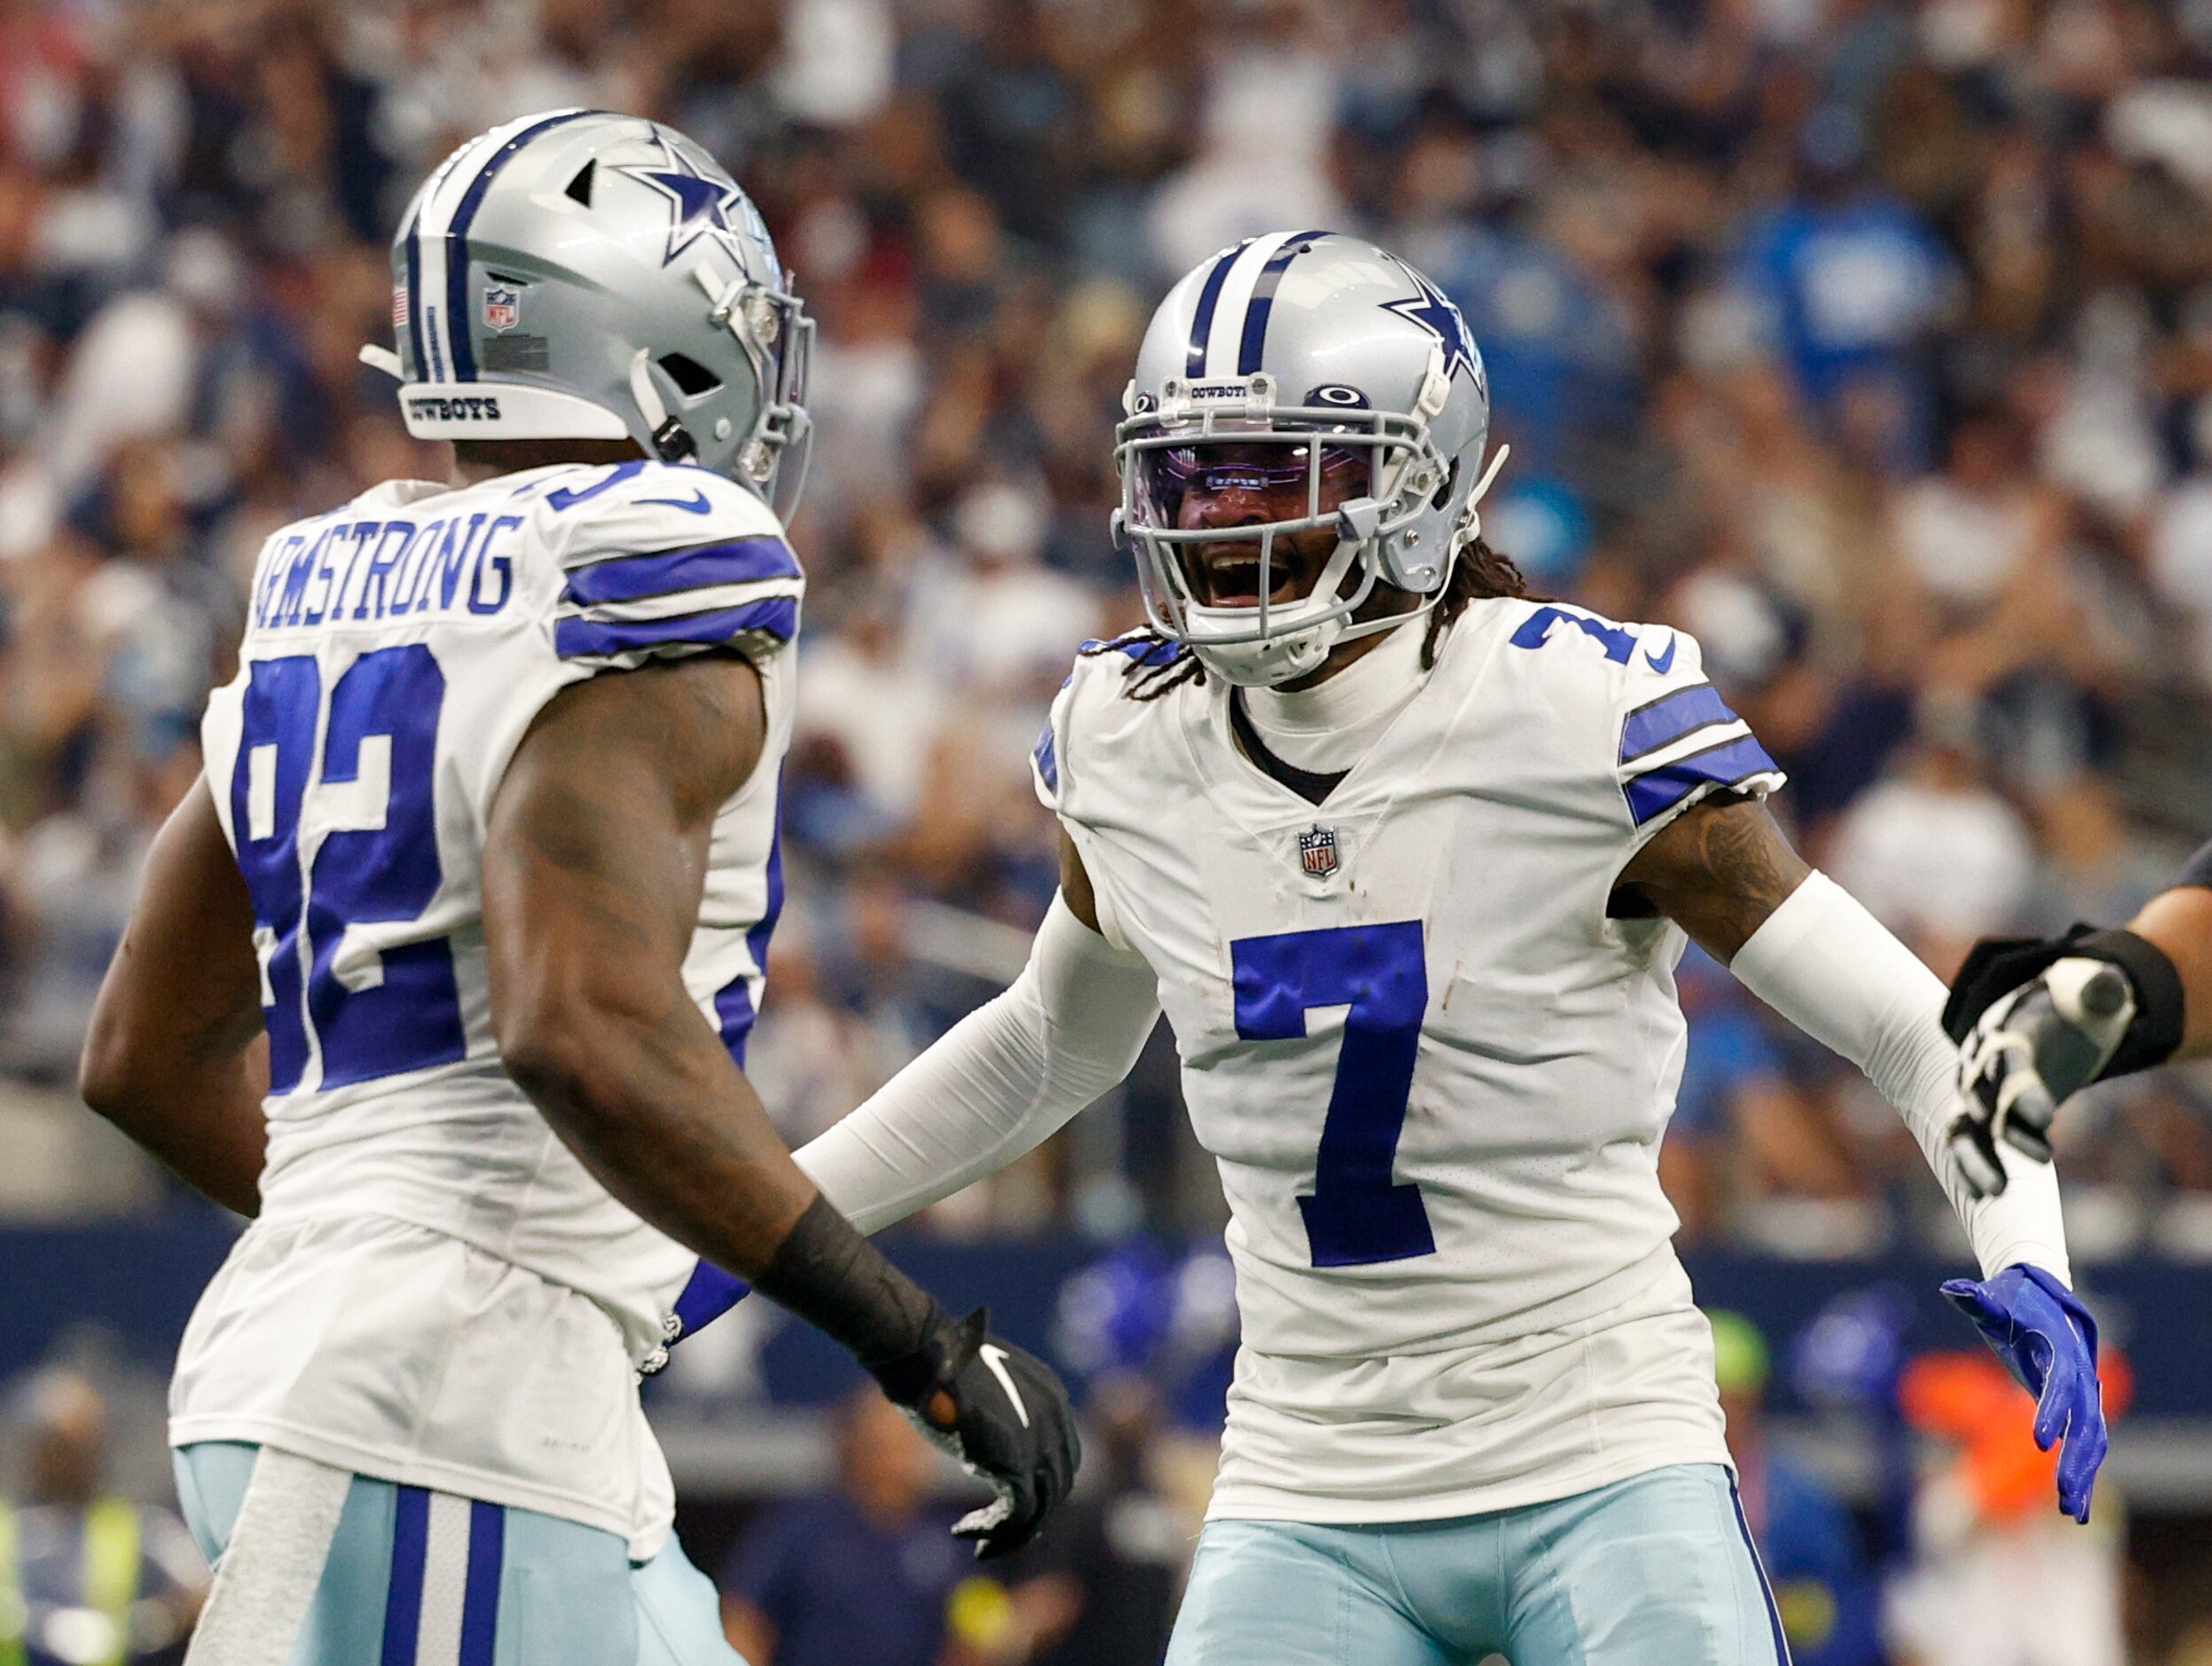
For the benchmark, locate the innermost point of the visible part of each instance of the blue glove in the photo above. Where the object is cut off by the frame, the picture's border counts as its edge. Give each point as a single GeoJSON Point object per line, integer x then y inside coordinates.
{"type": "Point", "coordinates": [2049, 1342]}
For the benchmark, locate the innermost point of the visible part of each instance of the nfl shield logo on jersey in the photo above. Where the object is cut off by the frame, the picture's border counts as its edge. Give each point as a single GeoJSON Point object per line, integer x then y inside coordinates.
{"type": "Point", "coordinates": [1317, 851]}
{"type": "Point", "coordinates": [503, 307]}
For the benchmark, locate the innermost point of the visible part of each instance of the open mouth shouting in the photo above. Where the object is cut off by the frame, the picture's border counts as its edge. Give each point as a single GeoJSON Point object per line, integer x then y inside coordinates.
{"type": "Point", "coordinates": [1228, 575]}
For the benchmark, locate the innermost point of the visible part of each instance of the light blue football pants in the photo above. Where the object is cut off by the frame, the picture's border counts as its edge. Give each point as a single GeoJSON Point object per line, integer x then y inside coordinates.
{"type": "Point", "coordinates": [1656, 1570]}
{"type": "Point", "coordinates": [415, 1578]}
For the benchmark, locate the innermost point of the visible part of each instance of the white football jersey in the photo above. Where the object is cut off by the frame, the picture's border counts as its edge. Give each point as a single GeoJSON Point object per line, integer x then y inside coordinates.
{"type": "Point", "coordinates": [1432, 1072]}
{"type": "Point", "coordinates": [438, 1292]}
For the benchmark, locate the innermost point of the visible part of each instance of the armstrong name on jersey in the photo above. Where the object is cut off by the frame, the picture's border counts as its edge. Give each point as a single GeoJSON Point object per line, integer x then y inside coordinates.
{"type": "Point", "coordinates": [437, 1291]}
{"type": "Point", "coordinates": [1432, 1072]}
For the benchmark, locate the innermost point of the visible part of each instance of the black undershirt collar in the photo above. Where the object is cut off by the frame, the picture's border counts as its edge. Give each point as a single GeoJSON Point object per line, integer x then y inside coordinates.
{"type": "Point", "coordinates": [1311, 785]}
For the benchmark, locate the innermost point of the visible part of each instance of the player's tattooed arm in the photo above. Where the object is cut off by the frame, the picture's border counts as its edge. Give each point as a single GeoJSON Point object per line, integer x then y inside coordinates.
{"type": "Point", "coordinates": [1717, 870]}
{"type": "Point", "coordinates": [176, 1055]}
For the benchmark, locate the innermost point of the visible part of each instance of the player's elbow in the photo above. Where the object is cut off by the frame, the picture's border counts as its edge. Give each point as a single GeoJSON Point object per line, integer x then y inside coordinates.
{"type": "Point", "coordinates": [111, 1072]}
{"type": "Point", "coordinates": [570, 1047]}
{"type": "Point", "coordinates": [549, 1058]}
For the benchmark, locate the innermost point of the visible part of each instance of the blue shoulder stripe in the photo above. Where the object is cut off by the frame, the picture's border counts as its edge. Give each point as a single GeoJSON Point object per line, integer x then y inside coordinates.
{"type": "Point", "coordinates": [1047, 759]}
{"type": "Point", "coordinates": [1728, 765]}
{"type": "Point", "coordinates": [1663, 721]}
{"type": "Point", "coordinates": [1146, 650]}
{"type": "Point", "coordinates": [664, 572]}
{"type": "Point", "coordinates": [594, 639]}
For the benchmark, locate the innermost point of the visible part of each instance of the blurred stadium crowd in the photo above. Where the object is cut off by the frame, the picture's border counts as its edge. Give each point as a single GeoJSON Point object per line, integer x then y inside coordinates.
{"type": "Point", "coordinates": [1869, 340]}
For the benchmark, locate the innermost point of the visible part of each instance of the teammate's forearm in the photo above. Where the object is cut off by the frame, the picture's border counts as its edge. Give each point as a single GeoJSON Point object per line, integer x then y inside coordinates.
{"type": "Point", "coordinates": [946, 1121]}
{"type": "Point", "coordinates": [653, 1105]}
{"type": "Point", "coordinates": [998, 1084]}
{"type": "Point", "coordinates": [2179, 923]}
{"type": "Point", "coordinates": [637, 1085]}
{"type": "Point", "coordinates": [1829, 967]}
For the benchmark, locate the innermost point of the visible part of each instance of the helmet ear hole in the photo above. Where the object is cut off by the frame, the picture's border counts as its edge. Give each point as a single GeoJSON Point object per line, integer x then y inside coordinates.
{"type": "Point", "coordinates": [1444, 490]}
{"type": "Point", "coordinates": [579, 188]}
{"type": "Point", "coordinates": [691, 377]}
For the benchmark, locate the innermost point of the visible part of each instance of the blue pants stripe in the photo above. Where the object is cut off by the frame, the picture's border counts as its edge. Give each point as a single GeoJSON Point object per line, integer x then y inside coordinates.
{"type": "Point", "coordinates": [1774, 1613]}
{"type": "Point", "coordinates": [479, 1601]}
{"type": "Point", "coordinates": [410, 1545]}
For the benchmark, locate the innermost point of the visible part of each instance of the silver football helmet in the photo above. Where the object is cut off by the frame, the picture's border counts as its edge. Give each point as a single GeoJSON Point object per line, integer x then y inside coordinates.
{"type": "Point", "coordinates": [584, 275]}
{"type": "Point", "coordinates": [1361, 374]}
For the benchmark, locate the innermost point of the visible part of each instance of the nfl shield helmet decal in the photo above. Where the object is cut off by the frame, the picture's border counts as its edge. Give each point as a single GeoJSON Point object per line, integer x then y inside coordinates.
{"type": "Point", "coordinates": [1317, 852]}
{"type": "Point", "coordinates": [503, 307]}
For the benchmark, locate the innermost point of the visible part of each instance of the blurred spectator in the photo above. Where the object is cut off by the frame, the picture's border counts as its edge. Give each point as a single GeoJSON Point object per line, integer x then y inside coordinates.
{"type": "Point", "coordinates": [1997, 1576]}
{"type": "Point", "coordinates": [1851, 284]}
{"type": "Point", "coordinates": [2181, 539]}
{"type": "Point", "coordinates": [1939, 857]}
{"type": "Point", "coordinates": [1743, 1128]}
{"type": "Point", "coordinates": [1808, 1544]}
{"type": "Point", "coordinates": [859, 1576]}
{"type": "Point", "coordinates": [1101, 1588]}
{"type": "Point", "coordinates": [101, 1578]}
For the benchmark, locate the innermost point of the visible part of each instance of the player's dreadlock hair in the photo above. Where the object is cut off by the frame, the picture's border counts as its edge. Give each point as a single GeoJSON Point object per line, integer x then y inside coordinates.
{"type": "Point", "coordinates": [1158, 664]}
{"type": "Point", "coordinates": [1482, 574]}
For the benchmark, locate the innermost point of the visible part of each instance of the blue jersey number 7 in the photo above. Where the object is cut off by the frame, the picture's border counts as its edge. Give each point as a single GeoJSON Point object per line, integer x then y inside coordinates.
{"type": "Point", "coordinates": [1357, 1214]}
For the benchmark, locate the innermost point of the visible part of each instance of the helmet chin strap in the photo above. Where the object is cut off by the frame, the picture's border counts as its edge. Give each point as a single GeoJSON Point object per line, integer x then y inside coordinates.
{"type": "Point", "coordinates": [1276, 659]}
{"type": "Point", "coordinates": [1471, 519]}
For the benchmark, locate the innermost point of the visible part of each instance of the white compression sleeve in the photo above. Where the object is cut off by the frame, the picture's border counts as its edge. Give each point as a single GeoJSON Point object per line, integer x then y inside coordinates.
{"type": "Point", "coordinates": [1834, 970]}
{"type": "Point", "coordinates": [997, 1084]}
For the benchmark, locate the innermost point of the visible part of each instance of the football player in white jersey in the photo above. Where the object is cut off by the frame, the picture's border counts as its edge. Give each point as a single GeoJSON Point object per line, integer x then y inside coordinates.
{"type": "Point", "coordinates": [1408, 858]}
{"type": "Point", "coordinates": [486, 847]}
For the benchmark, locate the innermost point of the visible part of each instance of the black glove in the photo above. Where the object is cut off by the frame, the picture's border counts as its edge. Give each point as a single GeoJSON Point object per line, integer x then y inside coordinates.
{"type": "Point", "coordinates": [1002, 1411]}
{"type": "Point", "coordinates": [2036, 1021]}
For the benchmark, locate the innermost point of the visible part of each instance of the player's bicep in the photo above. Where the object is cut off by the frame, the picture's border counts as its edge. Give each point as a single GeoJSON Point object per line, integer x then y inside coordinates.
{"type": "Point", "coordinates": [1717, 870]}
{"type": "Point", "coordinates": [596, 850]}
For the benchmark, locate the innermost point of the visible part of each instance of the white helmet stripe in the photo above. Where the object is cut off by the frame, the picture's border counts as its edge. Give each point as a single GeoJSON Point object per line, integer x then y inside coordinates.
{"type": "Point", "coordinates": [1236, 295]}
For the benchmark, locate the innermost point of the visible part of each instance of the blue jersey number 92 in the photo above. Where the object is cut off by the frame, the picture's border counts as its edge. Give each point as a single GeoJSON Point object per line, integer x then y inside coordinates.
{"type": "Point", "coordinates": [378, 863]}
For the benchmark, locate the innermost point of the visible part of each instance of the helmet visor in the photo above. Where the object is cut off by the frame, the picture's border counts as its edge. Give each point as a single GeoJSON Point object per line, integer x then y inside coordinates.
{"type": "Point", "coordinates": [1247, 517]}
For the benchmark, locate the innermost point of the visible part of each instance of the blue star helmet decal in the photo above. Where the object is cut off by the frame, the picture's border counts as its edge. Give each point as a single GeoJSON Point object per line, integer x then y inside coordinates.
{"type": "Point", "coordinates": [702, 205]}
{"type": "Point", "coordinates": [1433, 310]}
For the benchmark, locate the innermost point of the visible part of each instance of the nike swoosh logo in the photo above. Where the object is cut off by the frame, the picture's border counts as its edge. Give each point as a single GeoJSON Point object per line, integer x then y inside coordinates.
{"type": "Point", "coordinates": [697, 504]}
{"type": "Point", "coordinates": [995, 1356]}
{"type": "Point", "coordinates": [1660, 663]}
